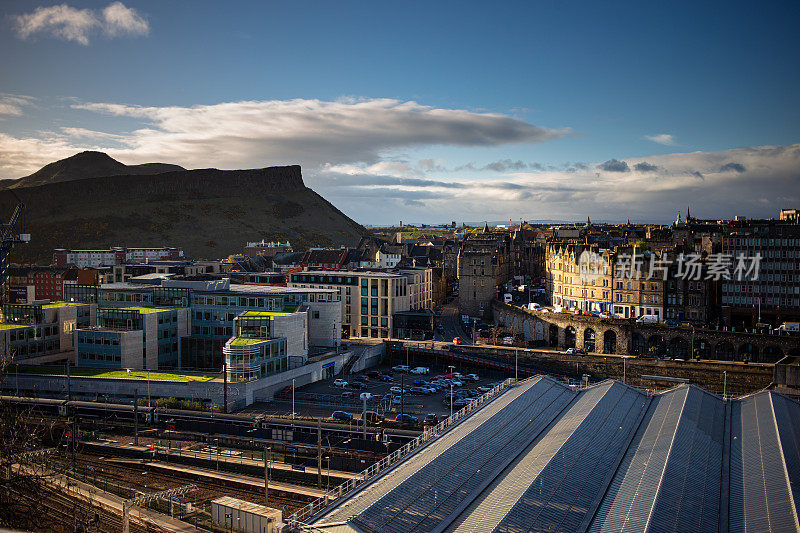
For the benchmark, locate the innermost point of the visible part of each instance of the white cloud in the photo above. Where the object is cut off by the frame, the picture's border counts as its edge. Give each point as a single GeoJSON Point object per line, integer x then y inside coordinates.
{"type": "Point", "coordinates": [310, 132]}
{"type": "Point", "coordinates": [354, 152]}
{"type": "Point", "coordinates": [12, 104]}
{"type": "Point", "coordinates": [72, 24]}
{"type": "Point", "coordinates": [121, 20]}
{"type": "Point", "coordinates": [749, 181]}
{"type": "Point", "coordinates": [661, 138]}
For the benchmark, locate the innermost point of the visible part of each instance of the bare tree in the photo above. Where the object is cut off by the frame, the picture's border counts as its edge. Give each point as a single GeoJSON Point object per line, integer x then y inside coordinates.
{"type": "Point", "coordinates": [23, 432]}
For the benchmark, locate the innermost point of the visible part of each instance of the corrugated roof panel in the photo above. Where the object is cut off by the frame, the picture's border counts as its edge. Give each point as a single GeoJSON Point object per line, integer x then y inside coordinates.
{"type": "Point", "coordinates": [387, 483]}
{"type": "Point", "coordinates": [689, 497]}
{"type": "Point", "coordinates": [432, 493]}
{"type": "Point", "coordinates": [630, 497]}
{"type": "Point", "coordinates": [787, 414]}
{"type": "Point", "coordinates": [574, 477]}
{"type": "Point", "coordinates": [761, 499]}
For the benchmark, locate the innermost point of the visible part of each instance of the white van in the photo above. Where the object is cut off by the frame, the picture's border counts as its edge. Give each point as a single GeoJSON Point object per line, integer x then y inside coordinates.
{"type": "Point", "coordinates": [648, 319]}
{"type": "Point", "coordinates": [507, 298]}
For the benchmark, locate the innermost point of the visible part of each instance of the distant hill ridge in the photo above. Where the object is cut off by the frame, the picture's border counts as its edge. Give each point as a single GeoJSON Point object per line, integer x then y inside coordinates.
{"type": "Point", "coordinates": [209, 213]}
{"type": "Point", "coordinates": [88, 165]}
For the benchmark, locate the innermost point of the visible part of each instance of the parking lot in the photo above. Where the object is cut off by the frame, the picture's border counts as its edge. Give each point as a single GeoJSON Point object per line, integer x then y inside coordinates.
{"type": "Point", "coordinates": [323, 397]}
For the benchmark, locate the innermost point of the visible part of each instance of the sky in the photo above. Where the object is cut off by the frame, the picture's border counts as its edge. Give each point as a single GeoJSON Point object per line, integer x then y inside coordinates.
{"type": "Point", "coordinates": [425, 111]}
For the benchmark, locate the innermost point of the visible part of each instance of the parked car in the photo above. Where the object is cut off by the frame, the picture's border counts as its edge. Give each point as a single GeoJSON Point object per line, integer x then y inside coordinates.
{"type": "Point", "coordinates": [420, 382]}
{"type": "Point", "coordinates": [473, 377]}
{"type": "Point", "coordinates": [421, 390]}
{"type": "Point", "coordinates": [431, 419]}
{"type": "Point", "coordinates": [397, 400]}
{"type": "Point", "coordinates": [406, 418]}
{"type": "Point", "coordinates": [348, 394]}
{"type": "Point", "coordinates": [385, 377]}
{"type": "Point", "coordinates": [357, 385]}
{"type": "Point", "coordinates": [420, 370]}
{"type": "Point", "coordinates": [396, 390]}
{"type": "Point", "coordinates": [571, 351]}
{"type": "Point", "coordinates": [339, 383]}
{"type": "Point", "coordinates": [484, 389]}
{"type": "Point", "coordinates": [462, 402]}
{"type": "Point", "coordinates": [341, 415]}
{"type": "Point", "coordinates": [372, 417]}
{"type": "Point", "coordinates": [401, 368]}
{"type": "Point", "coordinates": [374, 374]}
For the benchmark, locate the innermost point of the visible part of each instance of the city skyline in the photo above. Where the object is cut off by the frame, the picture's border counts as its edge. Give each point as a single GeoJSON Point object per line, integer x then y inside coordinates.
{"type": "Point", "coordinates": [427, 114]}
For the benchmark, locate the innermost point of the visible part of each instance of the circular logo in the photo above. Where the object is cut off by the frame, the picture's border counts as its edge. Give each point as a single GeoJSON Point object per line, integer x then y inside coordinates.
{"type": "Point", "coordinates": [591, 266]}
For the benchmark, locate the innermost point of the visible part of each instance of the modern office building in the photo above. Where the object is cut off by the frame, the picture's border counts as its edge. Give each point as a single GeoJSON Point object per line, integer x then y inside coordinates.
{"type": "Point", "coordinates": [111, 343]}
{"type": "Point", "coordinates": [770, 294]}
{"type": "Point", "coordinates": [257, 349]}
{"type": "Point", "coordinates": [42, 328]}
{"type": "Point", "coordinates": [369, 299]}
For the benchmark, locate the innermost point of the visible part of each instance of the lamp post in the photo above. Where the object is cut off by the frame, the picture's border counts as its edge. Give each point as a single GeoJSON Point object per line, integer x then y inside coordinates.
{"type": "Point", "coordinates": [293, 398]}
{"type": "Point", "coordinates": [724, 383]}
{"type": "Point", "coordinates": [451, 367]}
{"type": "Point", "coordinates": [266, 474]}
{"type": "Point", "coordinates": [516, 357]}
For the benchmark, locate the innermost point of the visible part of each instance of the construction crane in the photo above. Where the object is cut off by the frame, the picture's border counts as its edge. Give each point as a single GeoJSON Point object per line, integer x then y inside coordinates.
{"type": "Point", "coordinates": [9, 236]}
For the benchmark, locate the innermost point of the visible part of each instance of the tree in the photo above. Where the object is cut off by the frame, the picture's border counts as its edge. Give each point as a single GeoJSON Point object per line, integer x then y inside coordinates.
{"type": "Point", "coordinates": [23, 434]}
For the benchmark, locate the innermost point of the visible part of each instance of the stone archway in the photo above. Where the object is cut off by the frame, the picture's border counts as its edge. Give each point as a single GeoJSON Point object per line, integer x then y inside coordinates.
{"type": "Point", "coordinates": [656, 346]}
{"type": "Point", "coordinates": [702, 348]}
{"type": "Point", "coordinates": [569, 337]}
{"type": "Point", "coordinates": [678, 347]}
{"type": "Point", "coordinates": [527, 330]}
{"type": "Point", "coordinates": [538, 331]}
{"type": "Point", "coordinates": [724, 351]}
{"type": "Point", "coordinates": [748, 352]}
{"type": "Point", "coordinates": [638, 344]}
{"type": "Point", "coordinates": [552, 333]}
{"type": "Point", "coordinates": [588, 340]}
{"type": "Point", "coordinates": [771, 354]}
{"type": "Point", "coordinates": [610, 341]}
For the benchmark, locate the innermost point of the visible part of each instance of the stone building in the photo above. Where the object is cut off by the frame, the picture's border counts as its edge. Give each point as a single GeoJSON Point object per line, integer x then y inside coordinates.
{"type": "Point", "coordinates": [484, 268]}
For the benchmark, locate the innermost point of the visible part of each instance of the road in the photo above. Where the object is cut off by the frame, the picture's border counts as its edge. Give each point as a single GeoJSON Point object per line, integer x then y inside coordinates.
{"type": "Point", "coordinates": [451, 324]}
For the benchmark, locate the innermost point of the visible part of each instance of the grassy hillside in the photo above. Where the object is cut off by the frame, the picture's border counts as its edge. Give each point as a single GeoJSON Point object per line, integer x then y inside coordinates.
{"type": "Point", "coordinates": [209, 213]}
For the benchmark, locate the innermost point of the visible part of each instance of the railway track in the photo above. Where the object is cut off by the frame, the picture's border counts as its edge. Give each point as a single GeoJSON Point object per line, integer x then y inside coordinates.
{"type": "Point", "coordinates": [138, 475]}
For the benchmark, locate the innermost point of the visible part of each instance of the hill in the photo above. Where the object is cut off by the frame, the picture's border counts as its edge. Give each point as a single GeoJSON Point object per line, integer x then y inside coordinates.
{"type": "Point", "coordinates": [87, 165]}
{"type": "Point", "coordinates": [209, 213]}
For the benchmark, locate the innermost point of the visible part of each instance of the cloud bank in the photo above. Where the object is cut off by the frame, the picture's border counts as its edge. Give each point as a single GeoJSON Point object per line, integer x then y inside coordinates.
{"type": "Point", "coordinates": [354, 152]}
{"type": "Point", "coordinates": [72, 24]}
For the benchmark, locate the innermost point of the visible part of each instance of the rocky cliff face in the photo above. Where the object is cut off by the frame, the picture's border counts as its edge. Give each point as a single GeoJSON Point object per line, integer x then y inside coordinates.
{"type": "Point", "coordinates": [209, 213]}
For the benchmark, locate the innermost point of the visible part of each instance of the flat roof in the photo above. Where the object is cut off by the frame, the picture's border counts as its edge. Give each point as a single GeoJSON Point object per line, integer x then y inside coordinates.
{"type": "Point", "coordinates": [148, 310]}
{"type": "Point", "coordinates": [339, 273]}
{"type": "Point", "coordinates": [248, 507]}
{"type": "Point", "coordinates": [244, 341]}
{"type": "Point", "coordinates": [271, 314]}
{"type": "Point", "coordinates": [61, 304]}
{"type": "Point", "coordinates": [14, 326]}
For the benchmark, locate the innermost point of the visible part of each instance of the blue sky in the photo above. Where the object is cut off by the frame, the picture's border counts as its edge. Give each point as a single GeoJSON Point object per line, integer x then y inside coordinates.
{"type": "Point", "coordinates": [432, 111]}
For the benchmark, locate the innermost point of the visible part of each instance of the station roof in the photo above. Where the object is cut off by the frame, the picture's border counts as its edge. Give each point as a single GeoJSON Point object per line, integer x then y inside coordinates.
{"type": "Point", "coordinates": [544, 457]}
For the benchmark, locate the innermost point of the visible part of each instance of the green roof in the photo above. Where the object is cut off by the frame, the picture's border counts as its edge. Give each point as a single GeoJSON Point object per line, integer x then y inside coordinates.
{"type": "Point", "coordinates": [14, 326]}
{"type": "Point", "coordinates": [243, 341]}
{"type": "Point", "coordinates": [146, 310]}
{"type": "Point", "coordinates": [60, 304]}
{"type": "Point", "coordinates": [270, 314]}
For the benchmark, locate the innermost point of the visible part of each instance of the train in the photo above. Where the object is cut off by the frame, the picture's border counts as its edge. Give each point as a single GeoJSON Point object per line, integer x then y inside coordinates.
{"type": "Point", "coordinates": [232, 426]}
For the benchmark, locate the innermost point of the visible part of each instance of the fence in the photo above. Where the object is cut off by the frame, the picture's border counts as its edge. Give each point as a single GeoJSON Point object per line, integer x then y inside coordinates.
{"type": "Point", "coordinates": [297, 519]}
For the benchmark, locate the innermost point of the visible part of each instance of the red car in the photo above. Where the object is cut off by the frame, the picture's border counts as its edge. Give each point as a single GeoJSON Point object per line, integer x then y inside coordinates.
{"type": "Point", "coordinates": [456, 340]}
{"type": "Point", "coordinates": [348, 394]}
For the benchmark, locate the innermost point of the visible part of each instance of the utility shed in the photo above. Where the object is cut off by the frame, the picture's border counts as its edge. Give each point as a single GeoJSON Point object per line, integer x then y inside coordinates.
{"type": "Point", "coordinates": [608, 458]}
{"type": "Point", "coordinates": [239, 515]}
